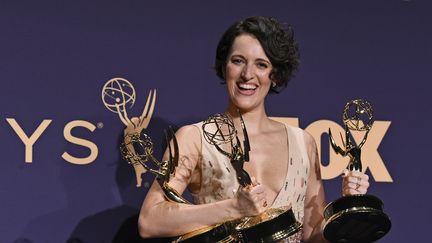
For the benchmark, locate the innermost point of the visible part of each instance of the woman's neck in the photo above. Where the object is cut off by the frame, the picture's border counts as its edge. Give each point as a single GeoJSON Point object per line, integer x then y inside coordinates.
{"type": "Point", "coordinates": [256, 120]}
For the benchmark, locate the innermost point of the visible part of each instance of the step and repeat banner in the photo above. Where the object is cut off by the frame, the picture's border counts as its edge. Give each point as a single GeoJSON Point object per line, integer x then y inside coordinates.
{"type": "Point", "coordinates": [62, 177]}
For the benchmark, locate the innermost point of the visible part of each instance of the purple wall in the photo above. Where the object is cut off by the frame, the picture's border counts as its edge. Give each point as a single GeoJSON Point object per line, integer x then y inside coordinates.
{"type": "Point", "coordinates": [55, 56]}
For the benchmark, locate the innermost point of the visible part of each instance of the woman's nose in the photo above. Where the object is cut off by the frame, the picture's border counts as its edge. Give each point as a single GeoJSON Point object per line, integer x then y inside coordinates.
{"type": "Point", "coordinates": [247, 73]}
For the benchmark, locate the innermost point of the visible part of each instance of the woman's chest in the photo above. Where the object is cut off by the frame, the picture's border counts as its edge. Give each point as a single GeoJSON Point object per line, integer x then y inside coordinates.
{"type": "Point", "coordinates": [269, 165]}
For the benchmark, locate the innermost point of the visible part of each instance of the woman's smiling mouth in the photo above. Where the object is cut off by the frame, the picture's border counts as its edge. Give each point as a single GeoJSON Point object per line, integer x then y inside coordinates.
{"type": "Point", "coordinates": [246, 88]}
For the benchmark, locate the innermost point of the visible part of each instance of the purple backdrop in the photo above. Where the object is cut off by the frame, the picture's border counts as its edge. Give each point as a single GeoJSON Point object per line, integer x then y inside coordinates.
{"type": "Point", "coordinates": [55, 56]}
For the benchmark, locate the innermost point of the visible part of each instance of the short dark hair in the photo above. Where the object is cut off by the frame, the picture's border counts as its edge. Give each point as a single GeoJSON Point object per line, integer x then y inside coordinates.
{"type": "Point", "coordinates": [276, 40]}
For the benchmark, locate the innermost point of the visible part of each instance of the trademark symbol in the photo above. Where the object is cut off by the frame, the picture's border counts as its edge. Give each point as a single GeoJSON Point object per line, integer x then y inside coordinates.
{"type": "Point", "coordinates": [100, 125]}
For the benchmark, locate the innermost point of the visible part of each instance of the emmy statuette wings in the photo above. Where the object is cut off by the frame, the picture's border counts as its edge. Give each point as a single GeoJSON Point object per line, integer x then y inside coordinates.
{"type": "Point", "coordinates": [355, 218]}
{"type": "Point", "coordinates": [274, 224]}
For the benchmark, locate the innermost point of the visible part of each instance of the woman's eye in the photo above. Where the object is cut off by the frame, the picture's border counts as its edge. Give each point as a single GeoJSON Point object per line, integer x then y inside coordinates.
{"type": "Point", "coordinates": [237, 61]}
{"type": "Point", "coordinates": [262, 65]}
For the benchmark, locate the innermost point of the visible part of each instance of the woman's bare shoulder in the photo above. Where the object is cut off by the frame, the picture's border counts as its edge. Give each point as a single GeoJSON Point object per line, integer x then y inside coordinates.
{"type": "Point", "coordinates": [189, 136]}
{"type": "Point", "coordinates": [309, 140]}
{"type": "Point", "coordinates": [189, 130]}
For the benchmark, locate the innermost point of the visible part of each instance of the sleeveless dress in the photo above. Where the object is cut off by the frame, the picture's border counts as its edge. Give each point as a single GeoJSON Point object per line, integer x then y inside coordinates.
{"type": "Point", "coordinates": [218, 177]}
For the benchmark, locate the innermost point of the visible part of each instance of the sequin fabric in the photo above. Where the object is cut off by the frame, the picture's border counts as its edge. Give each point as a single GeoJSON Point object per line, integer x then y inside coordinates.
{"type": "Point", "coordinates": [296, 238]}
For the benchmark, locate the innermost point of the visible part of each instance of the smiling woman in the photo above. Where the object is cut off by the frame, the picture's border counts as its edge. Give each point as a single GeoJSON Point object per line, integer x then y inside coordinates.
{"type": "Point", "coordinates": [277, 43]}
{"type": "Point", "coordinates": [254, 56]}
{"type": "Point", "coordinates": [247, 73]}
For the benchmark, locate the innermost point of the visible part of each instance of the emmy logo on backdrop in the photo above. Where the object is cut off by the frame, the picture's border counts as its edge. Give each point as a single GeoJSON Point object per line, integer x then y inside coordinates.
{"type": "Point", "coordinates": [118, 94]}
{"type": "Point", "coordinates": [355, 218]}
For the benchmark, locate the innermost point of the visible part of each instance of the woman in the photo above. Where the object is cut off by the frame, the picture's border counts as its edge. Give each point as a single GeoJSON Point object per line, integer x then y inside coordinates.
{"type": "Point", "coordinates": [254, 57]}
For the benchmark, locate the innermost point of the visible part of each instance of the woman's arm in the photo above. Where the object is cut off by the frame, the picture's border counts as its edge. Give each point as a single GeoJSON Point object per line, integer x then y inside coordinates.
{"type": "Point", "coordinates": [158, 217]}
{"type": "Point", "coordinates": [315, 198]}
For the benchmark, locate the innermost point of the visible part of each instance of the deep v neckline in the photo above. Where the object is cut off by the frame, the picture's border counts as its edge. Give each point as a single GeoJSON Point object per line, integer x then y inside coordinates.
{"type": "Point", "coordinates": [288, 158]}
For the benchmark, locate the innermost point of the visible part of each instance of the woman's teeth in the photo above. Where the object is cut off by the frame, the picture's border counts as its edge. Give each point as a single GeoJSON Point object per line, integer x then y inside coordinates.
{"type": "Point", "coordinates": [245, 86]}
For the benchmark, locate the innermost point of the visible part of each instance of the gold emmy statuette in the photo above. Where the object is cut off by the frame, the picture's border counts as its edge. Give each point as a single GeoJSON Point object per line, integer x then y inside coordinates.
{"type": "Point", "coordinates": [137, 149]}
{"type": "Point", "coordinates": [355, 218]}
{"type": "Point", "coordinates": [274, 224]}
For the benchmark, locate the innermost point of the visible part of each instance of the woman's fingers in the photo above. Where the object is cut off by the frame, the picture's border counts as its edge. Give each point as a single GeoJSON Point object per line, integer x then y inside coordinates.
{"type": "Point", "coordinates": [354, 183]}
{"type": "Point", "coordinates": [260, 200]}
{"type": "Point", "coordinates": [252, 199]}
{"type": "Point", "coordinates": [254, 182]}
{"type": "Point", "coordinates": [350, 191]}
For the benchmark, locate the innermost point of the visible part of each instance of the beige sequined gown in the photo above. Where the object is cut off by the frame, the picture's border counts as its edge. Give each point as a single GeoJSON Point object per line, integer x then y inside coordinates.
{"type": "Point", "coordinates": [218, 178]}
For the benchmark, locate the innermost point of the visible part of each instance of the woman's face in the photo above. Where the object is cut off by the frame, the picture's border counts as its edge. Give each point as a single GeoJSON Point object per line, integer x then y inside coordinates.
{"type": "Point", "coordinates": [247, 73]}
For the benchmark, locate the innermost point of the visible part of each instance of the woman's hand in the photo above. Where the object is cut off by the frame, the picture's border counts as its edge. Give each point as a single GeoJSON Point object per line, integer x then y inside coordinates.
{"type": "Point", "coordinates": [354, 183]}
{"type": "Point", "coordinates": [251, 200]}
